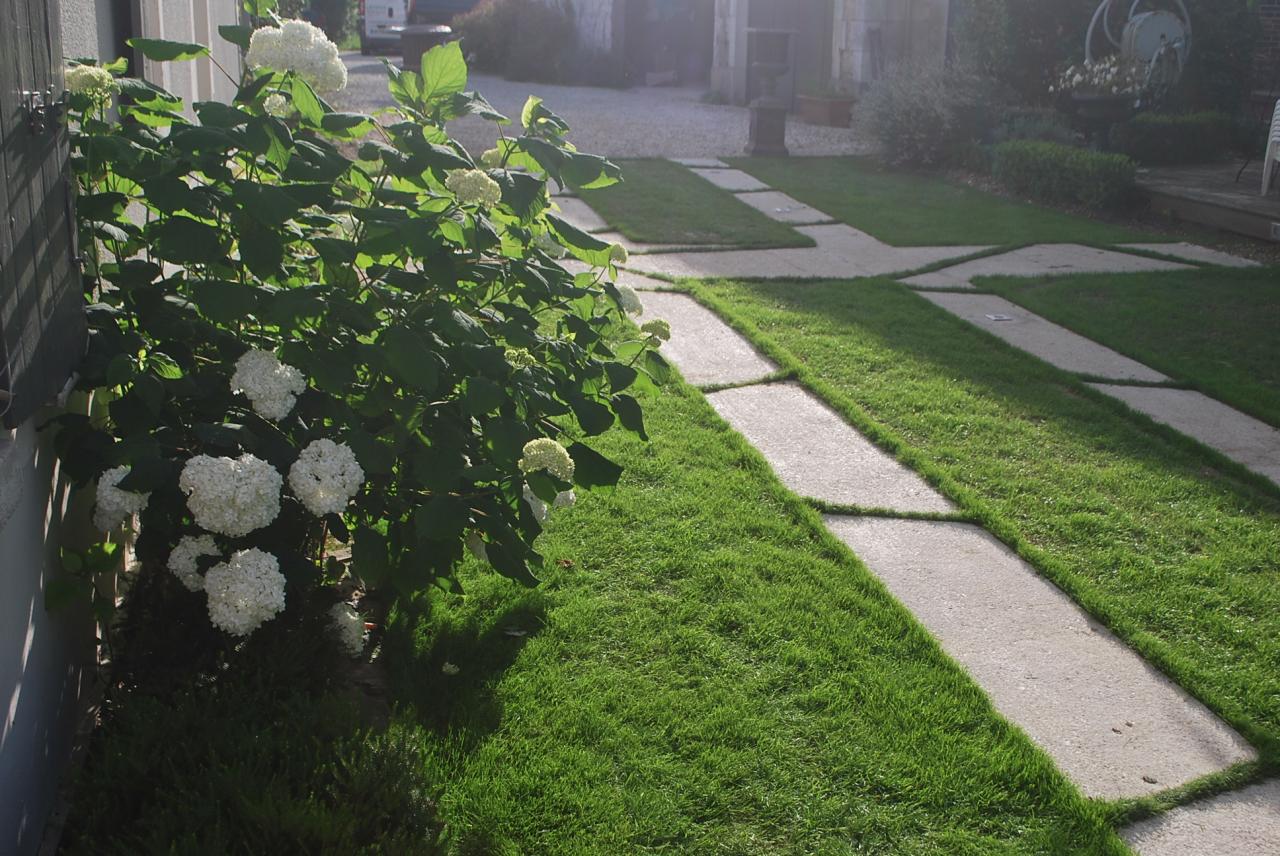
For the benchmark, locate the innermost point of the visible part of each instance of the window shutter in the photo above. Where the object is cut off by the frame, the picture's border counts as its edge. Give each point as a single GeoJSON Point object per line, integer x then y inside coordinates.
{"type": "Point", "coordinates": [42, 325]}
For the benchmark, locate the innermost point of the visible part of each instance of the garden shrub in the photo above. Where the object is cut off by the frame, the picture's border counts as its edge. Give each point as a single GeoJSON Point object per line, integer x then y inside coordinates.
{"type": "Point", "coordinates": [307, 325]}
{"type": "Point", "coordinates": [519, 39]}
{"type": "Point", "coordinates": [1031, 123]}
{"type": "Point", "coordinates": [1052, 172]}
{"type": "Point", "coordinates": [927, 116]}
{"type": "Point", "coordinates": [1171, 139]}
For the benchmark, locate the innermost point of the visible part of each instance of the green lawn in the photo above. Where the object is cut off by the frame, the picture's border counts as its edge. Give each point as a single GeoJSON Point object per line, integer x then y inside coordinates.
{"type": "Point", "coordinates": [1215, 329]}
{"type": "Point", "coordinates": [1140, 525]}
{"type": "Point", "coordinates": [661, 202]}
{"type": "Point", "coordinates": [910, 210]}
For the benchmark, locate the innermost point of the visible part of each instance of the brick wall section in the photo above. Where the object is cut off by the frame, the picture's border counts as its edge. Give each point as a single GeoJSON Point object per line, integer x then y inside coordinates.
{"type": "Point", "coordinates": [1266, 57]}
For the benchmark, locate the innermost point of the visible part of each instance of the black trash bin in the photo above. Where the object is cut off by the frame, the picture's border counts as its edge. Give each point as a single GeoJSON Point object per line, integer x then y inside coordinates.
{"type": "Point", "coordinates": [417, 39]}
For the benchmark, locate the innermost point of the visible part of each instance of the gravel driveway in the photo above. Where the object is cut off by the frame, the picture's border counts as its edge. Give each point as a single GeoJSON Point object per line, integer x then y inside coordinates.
{"type": "Point", "coordinates": [637, 122]}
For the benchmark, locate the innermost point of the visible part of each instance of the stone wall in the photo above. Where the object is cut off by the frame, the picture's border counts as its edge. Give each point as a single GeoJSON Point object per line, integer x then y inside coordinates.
{"type": "Point", "coordinates": [870, 36]}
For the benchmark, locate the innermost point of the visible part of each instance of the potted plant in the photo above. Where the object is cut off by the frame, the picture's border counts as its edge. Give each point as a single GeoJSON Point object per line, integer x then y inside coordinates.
{"type": "Point", "coordinates": [828, 104]}
{"type": "Point", "coordinates": [1100, 93]}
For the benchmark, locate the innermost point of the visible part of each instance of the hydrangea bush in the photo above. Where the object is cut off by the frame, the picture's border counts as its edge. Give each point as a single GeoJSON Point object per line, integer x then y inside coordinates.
{"type": "Point", "coordinates": [310, 325]}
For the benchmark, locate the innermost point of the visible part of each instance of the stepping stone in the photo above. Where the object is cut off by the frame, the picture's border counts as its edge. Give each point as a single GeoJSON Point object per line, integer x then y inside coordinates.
{"type": "Point", "coordinates": [1113, 724]}
{"type": "Point", "coordinates": [781, 207]}
{"type": "Point", "coordinates": [1240, 437]}
{"type": "Point", "coordinates": [732, 179]}
{"type": "Point", "coordinates": [705, 349]}
{"type": "Point", "coordinates": [634, 247]}
{"type": "Point", "coordinates": [1195, 253]}
{"type": "Point", "coordinates": [1055, 345]}
{"type": "Point", "coordinates": [1242, 823]}
{"type": "Point", "coordinates": [702, 163]}
{"type": "Point", "coordinates": [818, 455]}
{"type": "Point", "coordinates": [1041, 260]}
{"type": "Point", "coordinates": [580, 214]}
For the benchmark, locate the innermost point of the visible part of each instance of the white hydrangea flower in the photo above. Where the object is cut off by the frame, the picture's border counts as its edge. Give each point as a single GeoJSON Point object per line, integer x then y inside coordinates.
{"type": "Point", "coordinates": [348, 625]}
{"type": "Point", "coordinates": [565, 499]}
{"type": "Point", "coordinates": [183, 558]}
{"type": "Point", "coordinates": [325, 477]}
{"type": "Point", "coordinates": [473, 187]}
{"type": "Point", "coordinates": [450, 669]}
{"type": "Point", "coordinates": [476, 546]}
{"type": "Point", "coordinates": [491, 159]}
{"type": "Point", "coordinates": [657, 330]}
{"type": "Point", "coordinates": [245, 592]}
{"type": "Point", "coordinates": [277, 105]}
{"type": "Point", "coordinates": [618, 254]}
{"type": "Point", "coordinates": [541, 511]}
{"type": "Point", "coordinates": [91, 80]}
{"type": "Point", "coordinates": [271, 386]}
{"type": "Point", "coordinates": [231, 496]}
{"type": "Point", "coordinates": [302, 48]}
{"type": "Point", "coordinates": [519, 358]}
{"type": "Point", "coordinates": [114, 506]}
{"type": "Point", "coordinates": [546, 454]}
{"type": "Point", "coordinates": [629, 301]}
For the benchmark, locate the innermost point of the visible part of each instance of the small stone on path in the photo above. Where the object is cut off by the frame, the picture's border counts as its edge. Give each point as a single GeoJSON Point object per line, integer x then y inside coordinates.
{"type": "Point", "coordinates": [1195, 253]}
{"type": "Point", "coordinates": [1240, 437]}
{"type": "Point", "coordinates": [1040, 260]}
{"type": "Point", "coordinates": [1240, 823]}
{"type": "Point", "coordinates": [817, 454]}
{"type": "Point", "coordinates": [783, 208]}
{"type": "Point", "coordinates": [1047, 666]}
{"type": "Point", "coordinates": [705, 349]}
{"type": "Point", "coordinates": [702, 163]}
{"type": "Point", "coordinates": [734, 180]}
{"type": "Point", "coordinates": [580, 214]}
{"type": "Point", "coordinates": [1051, 343]}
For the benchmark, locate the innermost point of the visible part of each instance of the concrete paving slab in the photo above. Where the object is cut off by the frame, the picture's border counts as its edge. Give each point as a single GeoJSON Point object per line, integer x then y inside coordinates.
{"type": "Point", "coordinates": [705, 349]}
{"type": "Point", "coordinates": [817, 454]}
{"type": "Point", "coordinates": [702, 163]}
{"type": "Point", "coordinates": [1195, 253]}
{"type": "Point", "coordinates": [1242, 823]}
{"type": "Point", "coordinates": [1041, 260]}
{"type": "Point", "coordinates": [1240, 437]}
{"type": "Point", "coordinates": [1051, 343]}
{"type": "Point", "coordinates": [780, 206]}
{"type": "Point", "coordinates": [580, 214]}
{"type": "Point", "coordinates": [637, 248]}
{"type": "Point", "coordinates": [1114, 725]}
{"type": "Point", "coordinates": [732, 179]}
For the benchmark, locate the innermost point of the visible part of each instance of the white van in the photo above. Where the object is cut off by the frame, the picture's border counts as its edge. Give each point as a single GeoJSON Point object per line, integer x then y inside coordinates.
{"type": "Point", "coordinates": [380, 23]}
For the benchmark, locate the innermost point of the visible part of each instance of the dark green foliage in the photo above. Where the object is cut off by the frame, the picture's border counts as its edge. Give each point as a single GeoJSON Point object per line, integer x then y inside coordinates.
{"type": "Point", "coordinates": [1166, 139]}
{"type": "Point", "coordinates": [519, 39]}
{"type": "Point", "coordinates": [1052, 172]}
{"type": "Point", "coordinates": [336, 17]}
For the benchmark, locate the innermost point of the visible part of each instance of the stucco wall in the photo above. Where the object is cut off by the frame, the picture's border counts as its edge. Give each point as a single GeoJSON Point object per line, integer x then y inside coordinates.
{"type": "Point", "coordinates": [595, 24]}
{"type": "Point", "coordinates": [871, 35]}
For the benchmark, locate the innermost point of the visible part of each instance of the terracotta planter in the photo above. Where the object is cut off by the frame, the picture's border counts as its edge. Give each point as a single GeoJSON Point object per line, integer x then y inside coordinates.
{"type": "Point", "coordinates": [834, 112]}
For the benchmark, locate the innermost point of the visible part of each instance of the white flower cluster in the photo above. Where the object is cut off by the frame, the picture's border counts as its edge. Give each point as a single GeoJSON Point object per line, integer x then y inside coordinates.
{"type": "Point", "coordinates": [519, 358]}
{"type": "Point", "coordinates": [270, 385]}
{"type": "Point", "coordinates": [231, 496]}
{"type": "Point", "coordinates": [491, 159]}
{"type": "Point", "coordinates": [546, 454]}
{"type": "Point", "coordinates": [348, 625]}
{"type": "Point", "coordinates": [182, 561]}
{"type": "Point", "coordinates": [114, 506]}
{"type": "Point", "coordinates": [629, 301]}
{"type": "Point", "coordinates": [542, 511]}
{"type": "Point", "coordinates": [277, 105]}
{"type": "Point", "coordinates": [245, 592]}
{"type": "Point", "coordinates": [473, 187]}
{"type": "Point", "coordinates": [657, 330]}
{"type": "Point", "coordinates": [302, 48]}
{"type": "Point", "coordinates": [91, 80]}
{"type": "Point", "coordinates": [1109, 76]}
{"type": "Point", "coordinates": [325, 477]}
{"type": "Point", "coordinates": [617, 254]}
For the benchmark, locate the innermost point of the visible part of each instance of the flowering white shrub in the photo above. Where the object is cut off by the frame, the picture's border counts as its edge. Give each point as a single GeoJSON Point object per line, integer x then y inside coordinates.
{"type": "Point", "coordinates": [473, 187]}
{"type": "Point", "coordinates": [539, 508]}
{"type": "Point", "coordinates": [546, 454]}
{"type": "Point", "coordinates": [1109, 76]}
{"type": "Point", "coordinates": [231, 496]}
{"type": "Point", "coordinates": [271, 386]}
{"type": "Point", "coordinates": [245, 592]}
{"type": "Point", "coordinates": [114, 506]}
{"type": "Point", "coordinates": [450, 669]}
{"type": "Point", "coordinates": [629, 301]}
{"type": "Point", "coordinates": [325, 477]}
{"type": "Point", "coordinates": [277, 105]}
{"type": "Point", "coordinates": [91, 80]}
{"type": "Point", "coordinates": [348, 626]}
{"type": "Point", "coordinates": [491, 159]}
{"type": "Point", "coordinates": [657, 330]}
{"type": "Point", "coordinates": [183, 558]}
{"type": "Point", "coordinates": [301, 48]}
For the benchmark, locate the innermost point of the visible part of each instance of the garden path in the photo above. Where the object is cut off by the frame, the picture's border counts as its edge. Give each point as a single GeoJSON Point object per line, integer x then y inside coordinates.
{"type": "Point", "coordinates": [1115, 725]}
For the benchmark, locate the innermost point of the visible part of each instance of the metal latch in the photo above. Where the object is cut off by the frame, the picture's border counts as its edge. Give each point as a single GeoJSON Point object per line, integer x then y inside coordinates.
{"type": "Point", "coordinates": [42, 109]}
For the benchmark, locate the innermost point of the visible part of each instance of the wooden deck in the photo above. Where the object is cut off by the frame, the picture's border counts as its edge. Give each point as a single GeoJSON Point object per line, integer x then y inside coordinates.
{"type": "Point", "coordinates": [1211, 196]}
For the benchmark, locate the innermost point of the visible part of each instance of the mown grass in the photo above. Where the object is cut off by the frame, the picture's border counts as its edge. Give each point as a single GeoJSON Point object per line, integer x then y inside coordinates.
{"type": "Point", "coordinates": [705, 670]}
{"type": "Point", "coordinates": [1177, 549]}
{"type": "Point", "coordinates": [911, 210]}
{"type": "Point", "coordinates": [661, 202]}
{"type": "Point", "coordinates": [1215, 329]}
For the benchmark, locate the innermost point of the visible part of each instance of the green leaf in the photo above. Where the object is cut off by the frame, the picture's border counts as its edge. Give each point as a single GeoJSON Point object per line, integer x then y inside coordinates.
{"type": "Point", "coordinates": [369, 556]}
{"type": "Point", "coordinates": [441, 519]}
{"type": "Point", "coordinates": [531, 105]}
{"type": "Point", "coordinates": [620, 375]}
{"type": "Point", "coordinates": [483, 396]}
{"type": "Point", "coordinates": [592, 469]}
{"type": "Point", "coordinates": [223, 301]}
{"type": "Point", "coordinates": [347, 126]}
{"type": "Point", "coordinates": [259, 8]}
{"type": "Point", "coordinates": [306, 102]}
{"type": "Point", "coordinates": [584, 247]}
{"type": "Point", "coordinates": [410, 360]}
{"type": "Point", "coordinates": [237, 34]}
{"type": "Point", "coordinates": [593, 416]}
{"type": "Point", "coordinates": [629, 414]}
{"type": "Point", "coordinates": [146, 475]}
{"type": "Point", "coordinates": [444, 71]}
{"type": "Point", "coordinates": [162, 50]}
{"type": "Point", "coordinates": [62, 592]}
{"type": "Point", "coordinates": [182, 240]}
{"type": "Point", "coordinates": [218, 115]}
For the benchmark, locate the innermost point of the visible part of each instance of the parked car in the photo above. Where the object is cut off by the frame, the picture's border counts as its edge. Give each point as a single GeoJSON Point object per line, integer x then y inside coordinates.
{"type": "Point", "coordinates": [379, 23]}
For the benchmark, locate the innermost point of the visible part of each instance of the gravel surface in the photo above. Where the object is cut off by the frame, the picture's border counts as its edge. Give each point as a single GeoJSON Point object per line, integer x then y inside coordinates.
{"type": "Point", "coordinates": [637, 122]}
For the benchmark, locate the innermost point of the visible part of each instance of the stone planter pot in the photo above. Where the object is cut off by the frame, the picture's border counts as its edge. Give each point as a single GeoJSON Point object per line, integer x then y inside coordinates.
{"type": "Point", "coordinates": [834, 112]}
{"type": "Point", "coordinates": [1093, 115]}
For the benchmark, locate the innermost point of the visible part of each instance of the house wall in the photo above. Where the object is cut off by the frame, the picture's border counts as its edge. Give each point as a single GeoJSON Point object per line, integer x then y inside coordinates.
{"type": "Point", "coordinates": [870, 36]}
{"type": "Point", "coordinates": [596, 24]}
{"type": "Point", "coordinates": [1266, 58]}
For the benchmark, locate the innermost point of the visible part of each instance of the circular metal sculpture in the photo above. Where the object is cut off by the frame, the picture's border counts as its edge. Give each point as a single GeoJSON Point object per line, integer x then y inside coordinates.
{"type": "Point", "coordinates": [1157, 40]}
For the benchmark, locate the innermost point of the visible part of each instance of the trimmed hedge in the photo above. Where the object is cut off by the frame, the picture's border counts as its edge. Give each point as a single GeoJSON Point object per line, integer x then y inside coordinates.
{"type": "Point", "coordinates": [1172, 139]}
{"type": "Point", "coordinates": [1052, 172]}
